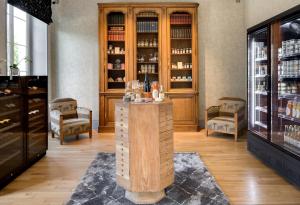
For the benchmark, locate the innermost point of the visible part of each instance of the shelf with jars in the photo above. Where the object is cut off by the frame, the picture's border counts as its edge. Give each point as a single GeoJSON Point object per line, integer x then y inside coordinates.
{"type": "Point", "coordinates": [147, 45]}
{"type": "Point", "coordinates": [116, 55]}
{"type": "Point", "coordinates": [141, 48]}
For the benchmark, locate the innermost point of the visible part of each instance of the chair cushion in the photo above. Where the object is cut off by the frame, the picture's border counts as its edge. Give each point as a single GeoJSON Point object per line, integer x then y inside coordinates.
{"type": "Point", "coordinates": [222, 124]}
{"type": "Point", "coordinates": [73, 126]}
{"type": "Point", "coordinates": [67, 106]}
{"type": "Point", "coordinates": [231, 105]}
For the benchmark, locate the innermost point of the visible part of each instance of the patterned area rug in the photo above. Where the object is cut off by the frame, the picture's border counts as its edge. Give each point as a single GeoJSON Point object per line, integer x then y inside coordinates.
{"type": "Point", "coordinates": [193, 184]}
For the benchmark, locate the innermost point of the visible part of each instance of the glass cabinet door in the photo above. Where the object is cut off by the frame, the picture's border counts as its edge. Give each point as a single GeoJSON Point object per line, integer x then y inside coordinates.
{"type": "Point", "coordinates": [116, 58]}
{"type": "Point", "coordinates": [147, 44]}
{"type": "Point", "coordinates": [286, 84]}
{"type": "Point", "coordinates": [258, 82]}
{"type": "Point", "coordinates": [181, 50]}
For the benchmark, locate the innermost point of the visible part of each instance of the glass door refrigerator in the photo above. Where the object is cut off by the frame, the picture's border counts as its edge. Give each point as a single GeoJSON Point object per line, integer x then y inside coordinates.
{"type": "Point", "coordinates": [286, 84]}
{"type": "Point", "coordinates": [258, 82]}
{"type": "Point", "coordinates": [274, 93]}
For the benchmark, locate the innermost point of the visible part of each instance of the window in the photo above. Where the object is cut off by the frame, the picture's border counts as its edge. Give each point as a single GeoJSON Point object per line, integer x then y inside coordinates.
{"type": "Point", "coordinates": [18, 39]}
{"type": "Point", "coordinates": [27, 43]}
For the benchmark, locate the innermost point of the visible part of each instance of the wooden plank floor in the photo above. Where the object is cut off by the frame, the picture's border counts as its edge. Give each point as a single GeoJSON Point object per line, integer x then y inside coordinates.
{"type": "Point", "coordinates": [243, 178]}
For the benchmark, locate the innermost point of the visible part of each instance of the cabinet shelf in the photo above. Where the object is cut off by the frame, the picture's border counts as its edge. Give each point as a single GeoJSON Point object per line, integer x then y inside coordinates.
{"type": "Point", "coordinates": [181, 81]}
{"type": "Point", "coordinates": [288, 96]}
{"type": "Point", "coordinates": [286, 77]}
{"type": "Point", "coordinates": [147, 47]}
{"type": "Point", "coordinates": [10, 112]}
{"type": "Point", "coordinates": [261, 93]}
{"type": "Point", "coordinates": [153, 32]}
{"type": "Point", "coordinates": [9, 157]}
{"type": "Point", "coordinates": [260, 59]}
{"type": "Point", "coordinates": [261, 109]}
{"type": "Point", "coordinates": [181, 54]}
{"type": "Point", "coordinates": [115, 24]}
{"type": "Point", "coordinates": [9, 97]}
{"type": "Point", "coordinates": [260, 76]}
{"type": "Point", "coordinates": [183, 69]}
{"type": "Point", "coordinates": [148, 73]}
{"type": "Point", "coordinates": [116, 41]}
{"type": "Point", "coordinates": [261, 124]}
{"type": "Point", "coordinates": [35, 105]}
{"type": "Point", "coordinates": [181, 38]}
{"type": "Point", "coordinates": [9, 142]}
{"type": "Point", "coordinates": [291, 57]}
{"type": "Point", "coordinates": [181, 24]}
{"type": "Point", "coordinates": [119, 54]}
{"type": "Point", "coordinates": [5, 129]}
{"type": "Point", "coordinates": [292, 119]}
{"type": "Point", "coordinates": [116, 69]}
{"type": "Point", "coordinates": [147, 63]}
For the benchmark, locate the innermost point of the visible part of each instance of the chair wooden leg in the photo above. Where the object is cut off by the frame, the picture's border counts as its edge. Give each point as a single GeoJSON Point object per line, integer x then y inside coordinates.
{"type": "Point", "coordinates": [91, 125]}
{"type": "Point", "coordinates": [206, 130]}
{"type": "Point", "coordinates": [90, 133]}
{"type": "Point", "coordinates": [236, 135]}
{"type": "Point", "coordinates": [61, 139]}
{"type": "Point", "coordinates": [52, 134]}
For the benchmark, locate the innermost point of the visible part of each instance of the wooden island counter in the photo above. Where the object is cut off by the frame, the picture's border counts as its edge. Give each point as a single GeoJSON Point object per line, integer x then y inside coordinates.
{"type": "Point", "coordinates": [144, 149]}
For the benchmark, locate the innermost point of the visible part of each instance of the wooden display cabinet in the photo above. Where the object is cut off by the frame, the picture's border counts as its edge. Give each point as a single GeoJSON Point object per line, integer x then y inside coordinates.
{"type": "Point", "coordinates": [154, 37]}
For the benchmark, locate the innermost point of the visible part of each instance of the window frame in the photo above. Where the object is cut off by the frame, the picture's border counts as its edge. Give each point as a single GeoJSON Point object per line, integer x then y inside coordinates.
{"type": "Point", "coordinates": [11, 40]}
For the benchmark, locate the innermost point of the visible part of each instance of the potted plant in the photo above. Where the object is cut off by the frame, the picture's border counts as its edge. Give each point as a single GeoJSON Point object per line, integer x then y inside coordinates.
{"type": "Point", "coordinates": [14, 68]}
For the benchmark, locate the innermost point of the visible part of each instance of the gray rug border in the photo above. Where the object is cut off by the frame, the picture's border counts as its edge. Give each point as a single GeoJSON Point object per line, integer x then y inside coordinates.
{"type": "Point", "coordinates": [196, 153]}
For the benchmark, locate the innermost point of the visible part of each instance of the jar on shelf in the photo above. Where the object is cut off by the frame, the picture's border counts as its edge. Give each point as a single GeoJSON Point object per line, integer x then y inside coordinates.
{"type": "Point", "coordinates": [289, 108]}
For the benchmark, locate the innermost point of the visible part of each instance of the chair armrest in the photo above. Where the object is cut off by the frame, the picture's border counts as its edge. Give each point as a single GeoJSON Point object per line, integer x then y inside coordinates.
{"type": "Point", "coordinates": [240, 113]}
{"type": "Point", "coordinates": [239, 117]}
{"type": "Point", "coordinates": [212, 112]}
{"type": "Point", "coordinates": [83, 112]}
{"type": "Point", "coordinates": [55, 116]}
{"type": "Point", "coordinates": [56, 121]}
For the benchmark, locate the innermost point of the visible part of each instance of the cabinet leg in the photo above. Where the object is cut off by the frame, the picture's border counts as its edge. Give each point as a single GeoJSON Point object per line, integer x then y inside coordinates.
{"type": "Point", "coordinates": [52, 134]}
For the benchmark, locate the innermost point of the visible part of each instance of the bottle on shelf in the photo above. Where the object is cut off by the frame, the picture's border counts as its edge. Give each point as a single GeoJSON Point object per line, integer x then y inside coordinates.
{"type": "Point", "coordinates": [292, 135]}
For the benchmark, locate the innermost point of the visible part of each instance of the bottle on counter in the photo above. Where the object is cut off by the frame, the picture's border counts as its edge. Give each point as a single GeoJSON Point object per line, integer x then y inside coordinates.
{"type": "Point", "coordinates": [161, 93]}
{"type": "Point", "coordinates": [147, 87]}
{"type": "Point", "coordinates": [155, 92]}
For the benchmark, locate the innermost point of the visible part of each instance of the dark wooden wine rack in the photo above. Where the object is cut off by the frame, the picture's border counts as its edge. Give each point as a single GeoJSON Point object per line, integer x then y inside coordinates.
{"type": "Point", "coordinates": [23, 124]}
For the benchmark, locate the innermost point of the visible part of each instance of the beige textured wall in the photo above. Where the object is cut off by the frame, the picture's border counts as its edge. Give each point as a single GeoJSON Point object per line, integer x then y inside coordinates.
{"type": "Point", "coordinates": [260, 10]}
{"type": "Point", "coordinates": [221, 42]}
{"type": "Point", "coordinates": [2, 36]}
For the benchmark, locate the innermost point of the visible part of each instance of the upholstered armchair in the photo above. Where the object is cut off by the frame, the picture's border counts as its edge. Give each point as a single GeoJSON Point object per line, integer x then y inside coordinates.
{"type": "Point", "coordinates": [67, 119]}
{"type": "Point", "coordinates": [228, 117]}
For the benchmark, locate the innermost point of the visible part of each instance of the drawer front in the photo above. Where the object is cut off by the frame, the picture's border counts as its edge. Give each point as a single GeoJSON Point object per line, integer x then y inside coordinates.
{"type": "Point", "coordinates": [119, 130]}
{"type": "Point", "coordinates": [166, 126]}
{"type": "Point", "coordinates": [165, 113]}
{"type": "Point", "coordinates": [166, 154]}
{"type": "Point", "coordinates": [122, 161]}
